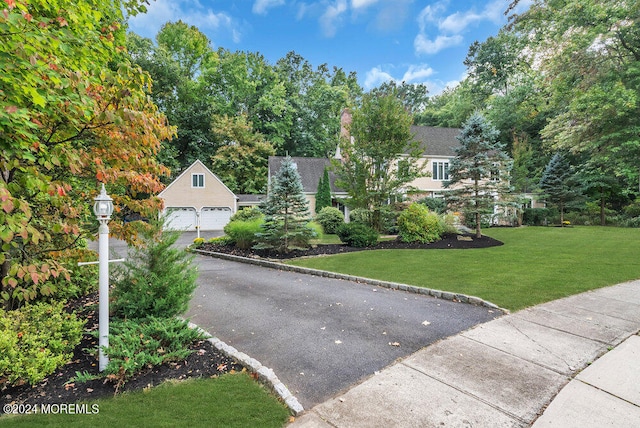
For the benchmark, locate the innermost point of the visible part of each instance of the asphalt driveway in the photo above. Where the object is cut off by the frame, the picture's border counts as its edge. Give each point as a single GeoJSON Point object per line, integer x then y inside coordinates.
{"type": "Point", "coordinates": [319, 335]}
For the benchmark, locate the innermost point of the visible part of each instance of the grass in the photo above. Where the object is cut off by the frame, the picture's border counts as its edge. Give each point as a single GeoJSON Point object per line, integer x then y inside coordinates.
{"type": "Point", "coordinates": [536, 264]}
{"type": "Point", "coordinates": [232, 400]}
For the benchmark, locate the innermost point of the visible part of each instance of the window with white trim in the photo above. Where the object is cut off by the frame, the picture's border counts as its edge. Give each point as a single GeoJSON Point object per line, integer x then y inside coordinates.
{"type": "Point", "coordinates": [197, 180]}
{"type": "Point", "coordinates": [440, 171]}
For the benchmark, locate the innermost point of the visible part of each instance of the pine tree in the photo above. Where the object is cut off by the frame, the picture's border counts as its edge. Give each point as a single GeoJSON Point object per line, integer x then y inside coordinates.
{"type": "Point", "coordinates": [478, 175]}
{"type": "Point", "coordinates": [323, 196]}
{"type": "Point", "coordinates": [286, 212]}
{"type": "Point", "coordinates": [557, 183]}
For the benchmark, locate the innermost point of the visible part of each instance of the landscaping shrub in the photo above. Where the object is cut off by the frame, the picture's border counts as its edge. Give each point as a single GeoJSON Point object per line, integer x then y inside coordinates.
{"type": "Point", "coordinates": [538, 216]}
{"type": "Point", "coordinates": [242, 233]}
{"type": "Point", "coordinates": [418, 224]}
{"type": "Point", "coordinates": [35, 340]}
{"type": "Point", "coordinates": [247, 213]}
{"type": "Point", "coordinates": [360, 215]}
{"type": "Point", "coordinates": [138, 344]}
{"type": "Point", "coordinates": [331, 219]}
{"type": "Point", "coordinates": [389, 218]}
{"type": "Point", "coordinates": [157, 279]}
{"type": "Point", "coordinates": [357, 235]}
{"type": "Point", "coordinates": [437, 205]}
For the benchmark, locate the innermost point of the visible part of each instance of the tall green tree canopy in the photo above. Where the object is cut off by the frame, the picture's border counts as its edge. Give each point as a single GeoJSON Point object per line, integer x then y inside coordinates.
{"type": "Point", "coordinates": [591, 53]}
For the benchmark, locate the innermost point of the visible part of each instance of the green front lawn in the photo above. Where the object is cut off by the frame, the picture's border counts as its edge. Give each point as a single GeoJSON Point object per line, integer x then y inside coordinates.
{"type": "Point", "coordinates": [536, 264]}
{"type": "Point", "coordinates": [232, 400]}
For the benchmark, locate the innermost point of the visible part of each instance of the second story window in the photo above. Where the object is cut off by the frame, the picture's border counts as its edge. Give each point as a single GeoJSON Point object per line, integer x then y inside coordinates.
{"type": "Point", "coordinates": [440, 171]}
{"type": "Point", "coordinates": [197, 180]}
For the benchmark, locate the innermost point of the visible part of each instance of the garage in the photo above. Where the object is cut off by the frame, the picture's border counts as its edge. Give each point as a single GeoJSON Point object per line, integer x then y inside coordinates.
{"type": "Point", "coordinates": [214, 218]}
{"type": "Point", "coordinates": [181, 218]}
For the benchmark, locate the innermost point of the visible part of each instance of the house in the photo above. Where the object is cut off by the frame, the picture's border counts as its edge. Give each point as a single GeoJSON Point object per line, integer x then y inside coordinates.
{"type": "Point", "coordinates": [311, 170]}
{"type": "Point", "coordinates": [198, 200]}
{"type": "Point", "coordinates": [438, 145]}
{"type": "Point", "coordinates": [438, 148]}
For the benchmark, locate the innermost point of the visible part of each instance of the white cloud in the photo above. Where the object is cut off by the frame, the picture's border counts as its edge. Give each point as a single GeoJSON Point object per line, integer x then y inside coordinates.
{"type": "Point", "coordinates": [423, 45]}
{"type": "Point", "coordinates": [430, 14]}
{"type": "Point", "coordinates": [417, 73]}
{"type": "Point", "coordinates": [458, 22]}
{"type": "Point", "coordinates": [384, 73]}
{"type": "Point", "coordinates": [450, 27]}
{"type": "Point", "coordinates": [375, 77]}
{"type": "Point", "coordinates": [357, 4]}
{"type": "Point", "coordinates": [160, 12]}
{"type": "Point", "coordinates": [331, 18]}
{"type": "Point", "coordinates": [260, 7]}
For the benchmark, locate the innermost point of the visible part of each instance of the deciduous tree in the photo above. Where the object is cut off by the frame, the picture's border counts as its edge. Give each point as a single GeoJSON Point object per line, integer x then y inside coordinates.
{"type": "Point", "coordinates": [242, 161]}
{"type": "Point", "coordinates": [380, 138]}
{"type": "Point", "coordinates": [73, 112]}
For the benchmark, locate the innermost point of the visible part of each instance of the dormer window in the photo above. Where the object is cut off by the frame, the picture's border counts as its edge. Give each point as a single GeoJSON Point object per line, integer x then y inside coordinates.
{"type": "Point", "coordinates": [197, 180]}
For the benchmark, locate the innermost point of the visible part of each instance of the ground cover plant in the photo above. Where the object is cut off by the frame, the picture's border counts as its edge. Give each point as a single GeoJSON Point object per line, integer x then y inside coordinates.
{"type": "Point", "coordinates": [535, 264]}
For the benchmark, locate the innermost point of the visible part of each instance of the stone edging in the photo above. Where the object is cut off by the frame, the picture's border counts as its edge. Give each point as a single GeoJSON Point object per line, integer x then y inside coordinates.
{"type": "Point", "coordinates": [439, 294]}
{"type": "Point", "coordinates": [266, 376]}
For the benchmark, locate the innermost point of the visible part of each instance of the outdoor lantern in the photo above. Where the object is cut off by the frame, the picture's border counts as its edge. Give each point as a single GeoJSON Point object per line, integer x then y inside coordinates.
{"type": "Point", "coordinates": [103, 206]}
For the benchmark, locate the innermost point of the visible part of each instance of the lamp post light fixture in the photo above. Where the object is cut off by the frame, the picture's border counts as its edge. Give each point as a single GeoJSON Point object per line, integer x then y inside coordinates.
{"type": "Point", "coordinates": [103, 208]}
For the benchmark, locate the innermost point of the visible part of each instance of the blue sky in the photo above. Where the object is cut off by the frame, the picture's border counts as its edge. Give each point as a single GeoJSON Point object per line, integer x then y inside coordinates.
{"type": "Point", "coordinates": [411, 40]}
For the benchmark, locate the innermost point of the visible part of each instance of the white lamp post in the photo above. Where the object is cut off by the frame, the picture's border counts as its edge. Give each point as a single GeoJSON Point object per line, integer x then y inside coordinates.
{"type": "Point", "coordinates": [103, 208]}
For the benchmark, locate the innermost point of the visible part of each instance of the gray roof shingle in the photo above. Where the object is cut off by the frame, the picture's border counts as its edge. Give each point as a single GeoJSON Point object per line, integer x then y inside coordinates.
{"type": "Point", "coordinates": [310, 170]}
{"type": "Point", "coordinates": [437, 141]}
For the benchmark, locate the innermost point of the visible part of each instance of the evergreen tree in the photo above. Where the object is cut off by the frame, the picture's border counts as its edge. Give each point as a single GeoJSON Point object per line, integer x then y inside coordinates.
{"type": "Point", "coordinates": [286, 211]}
{"type": "Point", "coordinates": [478, 175]}
{"type": "Point", "coordinates": [323, 196]}
{"type": "Point", "coordinates": [557, 183]}
{"type": "Point", "coordinates": [157, 280]}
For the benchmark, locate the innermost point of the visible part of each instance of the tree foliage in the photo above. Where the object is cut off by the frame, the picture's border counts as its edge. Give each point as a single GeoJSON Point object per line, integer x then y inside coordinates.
{"type": "Point", "coordinates": [74, 111]}
{"type": "Point", "coordinates": [480, 171]}
{"type": "Point", "coordinates": [557, 183]}
{"type": "Point", "coordinates": [241, 162]}
{"type": "Point", "coordinates": [323, 195]}
{"type": "Point", "coordinates": [380, 139]}
{"type": "Point", "coordinates": [286, 212]}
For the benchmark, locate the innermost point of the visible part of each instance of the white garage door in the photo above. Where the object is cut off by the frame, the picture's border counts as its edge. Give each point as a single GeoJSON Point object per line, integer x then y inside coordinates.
{"type": "Point", "coordinates": [214, 218]}
{"type": "Point", "coordinates": [181, 218]}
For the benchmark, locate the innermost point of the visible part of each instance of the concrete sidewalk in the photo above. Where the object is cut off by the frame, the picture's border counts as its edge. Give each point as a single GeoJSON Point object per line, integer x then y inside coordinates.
{"type": "Point", "coordinates": [574, 361]}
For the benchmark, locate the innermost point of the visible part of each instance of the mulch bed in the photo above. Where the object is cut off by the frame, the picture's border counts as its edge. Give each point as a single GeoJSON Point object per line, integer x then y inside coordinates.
{"type": "Point", "coordinates": [449, 241]}
{"type": "Point", "coordinates": [205, 361]}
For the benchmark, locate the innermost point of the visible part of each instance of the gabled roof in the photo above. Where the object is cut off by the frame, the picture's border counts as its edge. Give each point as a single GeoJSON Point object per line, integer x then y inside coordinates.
{"type": "Point", "coordinates": [437, 141]}
{"type": "Point", "coordinates": [310, 170]}
{"type": "Point", "coordinates": [188, 169]}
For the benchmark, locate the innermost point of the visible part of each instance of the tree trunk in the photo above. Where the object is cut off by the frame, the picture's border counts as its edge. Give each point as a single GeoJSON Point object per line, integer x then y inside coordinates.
{"type": "Point", "coordinates": [603, 221]}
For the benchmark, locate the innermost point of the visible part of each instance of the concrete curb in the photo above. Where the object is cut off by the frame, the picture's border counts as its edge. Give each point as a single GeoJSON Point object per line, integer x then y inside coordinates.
{"type": "Point", "coordinates": [438, 294]}
{"type": "Point", "coordinates": [266, 376]}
